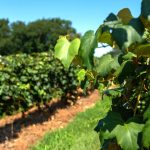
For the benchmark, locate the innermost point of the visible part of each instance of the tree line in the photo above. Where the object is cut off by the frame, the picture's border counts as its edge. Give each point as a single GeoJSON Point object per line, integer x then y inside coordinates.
{"type": "Point", "coordinates": [37, 36]}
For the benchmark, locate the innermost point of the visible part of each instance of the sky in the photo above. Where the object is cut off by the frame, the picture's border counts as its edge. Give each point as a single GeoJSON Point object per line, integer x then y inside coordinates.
{"type": "Point", "coordinates": [84, 14]}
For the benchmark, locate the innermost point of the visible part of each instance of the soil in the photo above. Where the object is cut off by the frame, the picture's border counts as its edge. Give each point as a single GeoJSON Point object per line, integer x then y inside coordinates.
{"type": "Point", "coordinates": [17, 133]}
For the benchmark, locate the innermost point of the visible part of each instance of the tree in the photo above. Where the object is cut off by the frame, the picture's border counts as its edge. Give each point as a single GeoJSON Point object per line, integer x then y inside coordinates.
{"type": "Point", "coordinates": [5, 41]}
{"type": "Point", "coordinates": [42, 34]}
{"type": "Point", "coordinates": [37, 36]}
{"type": "Point", "coordinates": [18, 36]}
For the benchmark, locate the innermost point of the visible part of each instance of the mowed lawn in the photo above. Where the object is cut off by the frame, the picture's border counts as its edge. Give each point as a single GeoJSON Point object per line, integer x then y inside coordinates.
{"type": "Point", "coordinates": [78, 135]}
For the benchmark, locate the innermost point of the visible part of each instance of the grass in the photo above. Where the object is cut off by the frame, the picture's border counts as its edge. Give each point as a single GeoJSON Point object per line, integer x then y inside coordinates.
{"type": "Point", "coordinates": [78, 135]}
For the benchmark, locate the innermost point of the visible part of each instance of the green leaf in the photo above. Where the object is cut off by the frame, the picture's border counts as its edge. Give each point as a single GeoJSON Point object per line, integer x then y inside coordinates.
{"type": "Point", "coordinates": [125, 35]}
{"type": "Point", "coordinates": [125, 57]}
{"type": "Point", "coordinates": [142, 50]}
{"type": "Point", "coordinates": [88, 45]}
{"type": "Point", "coordinates": [125, 15]}
{"type": "Point", "coordinates": [145, 10]}
{"type": "Point", "coordinates": [146, 132]}
{"type": "Point", "coordinates": [107, 101]}
{"type": "Point", "coordinates": [137, 25]}
{"type": "Point", "coordinates": [101, 87]}
{"type": "Point", "coordinates": [111, 120]}
{"type": "Point", "coordinates": [129, 56]}
{"type": "Point", "coordinates": [111, 17]}
{"type": "Point", "coordinates": [103, 35]}
{"type": "Point", "coordinates": [113, 92]}
{"type": "Point", "coordinates": [106, 125]}
{"type": "Point", "coordinates": [127, 135]}
{"type": "Point", "coordinates": [147, 113]}
{"type": "Point", "coordinates": [126, 69]}
{"type": "Point", "coordinates": [81, 75]}
{"type": "Point", "coordinates": [106, 105]}
{"type": "Point", "coordinates": [66, 51]}
{"type": "Point", "coordinates": [106, 38]}
{"type": "Point", "coordinates": [106, 65]}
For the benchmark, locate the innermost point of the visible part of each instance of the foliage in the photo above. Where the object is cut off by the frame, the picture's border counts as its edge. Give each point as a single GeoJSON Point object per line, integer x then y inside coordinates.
{"type": "Point", "coordinates": [27, 80]}
{"type": "Point", "coordinates": [37, 36]}
{"type": "Point", "coordinates": [66, 51]}
{"type": "Point", "coordinates": [126, 125]}
{"type": "Point", "coordinates": [106, 65]}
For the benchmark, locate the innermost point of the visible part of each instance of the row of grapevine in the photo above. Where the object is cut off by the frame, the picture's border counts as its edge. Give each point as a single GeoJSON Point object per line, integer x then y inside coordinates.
{"type": "Point", "coordinates": [28, 80]}
{"type": "Point", "coordinates": [126, 125]}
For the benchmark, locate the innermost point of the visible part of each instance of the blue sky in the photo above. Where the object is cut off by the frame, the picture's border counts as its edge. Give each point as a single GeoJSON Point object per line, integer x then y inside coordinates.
{"type": "Point", "coordinates": [84, 14]}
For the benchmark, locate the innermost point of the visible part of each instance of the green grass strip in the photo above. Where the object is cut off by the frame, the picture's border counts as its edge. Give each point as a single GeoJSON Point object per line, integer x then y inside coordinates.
{"type": "Point", "coordinates": [78, 135]}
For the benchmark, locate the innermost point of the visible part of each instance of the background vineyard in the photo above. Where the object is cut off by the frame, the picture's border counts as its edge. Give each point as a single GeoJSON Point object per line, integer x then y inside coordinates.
{"type": "Point", "coordinates": [33, 79]}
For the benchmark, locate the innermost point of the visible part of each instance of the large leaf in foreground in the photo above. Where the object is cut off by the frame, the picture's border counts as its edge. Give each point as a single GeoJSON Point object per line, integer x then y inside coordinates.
{"type": "Point", "coordinates": [146, 132]}
{"type": "Point", "coordinates": [106, 65]}
{"type": "Point", "coordinates": [106, 125]}
{"type": "Point", "coordinates": [147, 113]}
{"type": "Point", "coordinates": [66, 51]}
{"type": "Point", "coordinates": [145, 10]}
{"type": "Point", "coordinates": [142, 50]}
{"type": "Point", "coordinates": [123, 71]}
{"type": "Point", "coordinates": [125, 35]}
{"type": "Point", "coordinates": [88, 45]}
{"type": "Point", "coordinates": [127, 135]}
{"type": "Point", "coordinates": [125, 15]}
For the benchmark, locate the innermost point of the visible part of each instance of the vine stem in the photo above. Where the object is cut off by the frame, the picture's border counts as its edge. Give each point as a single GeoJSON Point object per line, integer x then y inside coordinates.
{"type": "Point", "coordinates": [137, 102]}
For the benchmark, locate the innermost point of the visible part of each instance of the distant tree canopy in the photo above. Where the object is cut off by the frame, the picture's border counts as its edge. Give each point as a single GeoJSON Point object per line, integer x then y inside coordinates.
{"type": "Point", "coordinates": [37, 36]}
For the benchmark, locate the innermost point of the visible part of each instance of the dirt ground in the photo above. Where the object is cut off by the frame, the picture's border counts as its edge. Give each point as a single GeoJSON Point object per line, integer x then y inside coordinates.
{"type": "Point", "coordinates": [17, 133]}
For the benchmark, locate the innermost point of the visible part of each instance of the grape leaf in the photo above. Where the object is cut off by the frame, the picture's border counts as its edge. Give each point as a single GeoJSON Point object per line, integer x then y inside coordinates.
{"type": "Point", "coordinates": [125, 35]}
{"type": "Point", "coordinates": [145, 11]}
{"type": "Point", "coordinates": [126, 69]}
{"type": "Point", "coordinates": [129, 56]}
{"type": "Point", "coordinates": [81, 75]}
{"type": "Point", "coordinates": [106, 125]}
{"type": "Point", "coordinates": [147, 113]}
{"type": "Point", "coordinates": [106, 65]}
{"type": "Point", "coordinates": [111, 17]}
{"type": "Point", "coordinates": [142, 50]}
{"type": "Point", "coordinates": [125, 15]}
{"type": "Point", "coordinates": [116, 92]}
{"type": "Point", "coordinates": [127, 135]}
{"type": "Point", "coordinates": [106, 38]}
{"type": "Point", "coordinates": [88, 45]}
{"type": "Point", "coordinates": [66, 51]}
{"type": "Point", "coordinates": [146, 131]}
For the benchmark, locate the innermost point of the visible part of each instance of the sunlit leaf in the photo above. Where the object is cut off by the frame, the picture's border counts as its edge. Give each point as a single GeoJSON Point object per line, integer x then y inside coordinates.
{"type": "Point", "coordinates": [66, 51]}
{"type": "Point", "coordinates": [127, 135]}
{"type": "Point", "coordinates": [88, 45]}
{"type": "Point", "coordinates": [81, 75]}
{"type": "Point", "coordinates": [106, 38]}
